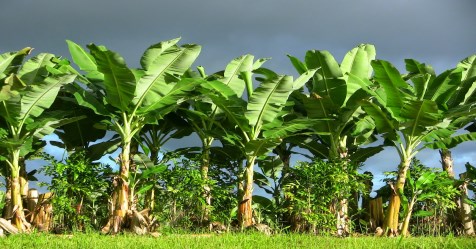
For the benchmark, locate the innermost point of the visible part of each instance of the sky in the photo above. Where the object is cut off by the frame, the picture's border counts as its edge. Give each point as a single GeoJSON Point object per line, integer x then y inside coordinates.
{"type": "Point", "coordinates": [437, 32]}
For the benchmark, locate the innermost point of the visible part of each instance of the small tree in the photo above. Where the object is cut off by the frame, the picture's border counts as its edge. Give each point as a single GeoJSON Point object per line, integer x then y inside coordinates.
{"type": "Point", "coordinates": [332, 98]}
{"type": "Point", "coordinates": [131, 98]}
{"type": "Point", "coordinates": [257, 125]}
{"type": "Point", "coordinates": [314, 188]}
{"type": "Point", "coordinates": [79, 191]}
{"type": "Point", "coordinates": [430, 186]}
{"type": "Point", "coordinates": [410, 115]}
{"type": "Point", "coordinates": [28, 89]}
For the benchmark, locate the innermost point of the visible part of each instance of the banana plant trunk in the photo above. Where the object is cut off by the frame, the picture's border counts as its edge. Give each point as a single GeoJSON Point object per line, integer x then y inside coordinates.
{"type": "Point", "coordinates": [121, 190]}
{"type": "Point", "coordinates": [393, 209]}
{"type": "Point", "coordinates": [245, 210]}
{"type": "Point", "coordinates": [150, 194]}
{"type": "Point", "coordinates": [18, 219]}
{"type": "Point", "coordinates": [288, 216]}
{"type": "Point", "coordinates": [447, 162]}
{"type": "Point", "coordinates": [24, 186]}
{"type": "Point", "coordinates": [204, 168]}
{"type": "Point", "coordinates": [465, 209]}
{"type": "Point", "coordinates": [339, 151]}
{"type": "Point", "coordinates": [453, 219]}
{"type": "Point", "coordinates": [8, 208]}
{"type": "Point", "coordinates": [342, 217]}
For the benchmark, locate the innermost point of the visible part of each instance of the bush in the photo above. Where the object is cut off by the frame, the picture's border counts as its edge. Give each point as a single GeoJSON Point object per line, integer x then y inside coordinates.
{"type": "Point", "coordinates": [314, 191]}
{"type": "Point", "coordinates": [79, 190]}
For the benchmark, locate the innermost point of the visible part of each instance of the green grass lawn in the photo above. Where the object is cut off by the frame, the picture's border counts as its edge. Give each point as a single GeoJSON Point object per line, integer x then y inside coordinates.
{"type": "Point", "coordinates": [91, 240]}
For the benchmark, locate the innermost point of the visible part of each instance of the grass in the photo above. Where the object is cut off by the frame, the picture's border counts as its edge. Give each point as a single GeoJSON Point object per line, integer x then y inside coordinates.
{"type": "Point", "coordinates": [92, 240]}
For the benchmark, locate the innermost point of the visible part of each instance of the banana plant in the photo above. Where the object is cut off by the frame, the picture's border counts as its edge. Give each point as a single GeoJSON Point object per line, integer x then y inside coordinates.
{"type": "Point", "coordinates": [332, 97]}
{"type": "Point", "coordinates": [458, 130]}
{"type": "Point", "coordinates": [464, 95]}
{"type": "Point", "coordinates": [203, 115]}
{"type": "Point", "coordinates": [131, 98]}
{"type": "Point", "coordinates": [28, 89]}
{"type": "Point", "coordinates": [411, 114]}
{"type": "Point", "coordinates": [257, 124]}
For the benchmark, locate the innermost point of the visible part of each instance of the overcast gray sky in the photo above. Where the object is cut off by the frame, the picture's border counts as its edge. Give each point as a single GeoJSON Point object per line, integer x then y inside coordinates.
{"type": "Point", "coordinates": [438, 32]}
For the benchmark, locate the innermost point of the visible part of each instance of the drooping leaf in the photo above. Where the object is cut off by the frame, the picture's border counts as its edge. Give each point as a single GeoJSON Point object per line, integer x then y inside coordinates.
{"type": "Point", "coordinates": [451, 142]}
{"type": "Point", "coordinates": [263, 201]}
{"type": "Point", "coordinates": [46, 126]}
{"type": "Point", "coordinates": [11, 87]}
{"type": "Point", "coordinates": [34, 70]}
{"type": "Point", "coordinates": [234, 108]}
{"type": "Point", "coordinates": [87, 99]}
{"type": "Point", "coordinates": [290, 128]}
{"type": "Point", "coordinates": [443, 86]}
{"type": "Point", "coordinates": [362, 154]}
{"type": "Point", "coordinates": [317, 149]}
{"type": "Point", "coordinates": [469, 76]}
{"type": "Point", "coordinates": [96, 151]}
{"type": "Point", "coordinates": [271, 166]}
{"type": "Point", "coordinates": [10, 62]}
{"type": "Point", "coordinates": [382, 123]}
{"type": "Point", "coordinates": [260, 147]}
{"type": "Point", "coordinates": [217, 86]}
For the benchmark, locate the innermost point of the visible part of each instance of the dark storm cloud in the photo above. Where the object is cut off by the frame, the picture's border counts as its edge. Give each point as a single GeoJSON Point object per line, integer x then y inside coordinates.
{"type": "Point", "coordinates": [438, 32]}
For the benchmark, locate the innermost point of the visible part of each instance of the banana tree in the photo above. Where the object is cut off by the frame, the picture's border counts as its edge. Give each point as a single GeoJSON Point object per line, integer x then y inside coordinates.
{"type": "Point", "coordinates": [409, 115]}
{"type": "Point", "coordinates": [203, 115]}
{"type": "Point", "coordinates": [28, 89]}
{"type": "Point", "coordinates": [333, 98]}
{"type": "Point", "coordinates": [455, 134]}
{"type": "Point", "coordinates": [257, 124]}
{"type": "Point", "coordinates": [131, 98]}
{"type": "Point", "coordinates": [464, 95]}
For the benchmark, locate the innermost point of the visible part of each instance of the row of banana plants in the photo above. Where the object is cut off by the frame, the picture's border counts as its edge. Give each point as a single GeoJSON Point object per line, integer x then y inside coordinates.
{"type": "Point", "coordinates": [335, 111]}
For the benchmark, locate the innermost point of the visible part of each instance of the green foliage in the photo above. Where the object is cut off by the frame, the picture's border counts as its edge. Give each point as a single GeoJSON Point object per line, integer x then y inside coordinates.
{"type": "Point", "coordinates": [432, 186]}
{"type": "Point", "coordinates": [179, 194]}
{"type": "Point", "coordinates": [2, 200]}
{"type": "Point", "coordinates": [433, 194]}
{"type": "Point", "coordinates": [340, 126]}
{"type": "Point", "coordinates": [314, 190]}
{"type": "Point", "coordinates": [80, 190]}
{"type": "Point", "coordinates": [179, 197]}
{"type": "Point", "coordinates": [335, 114]}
